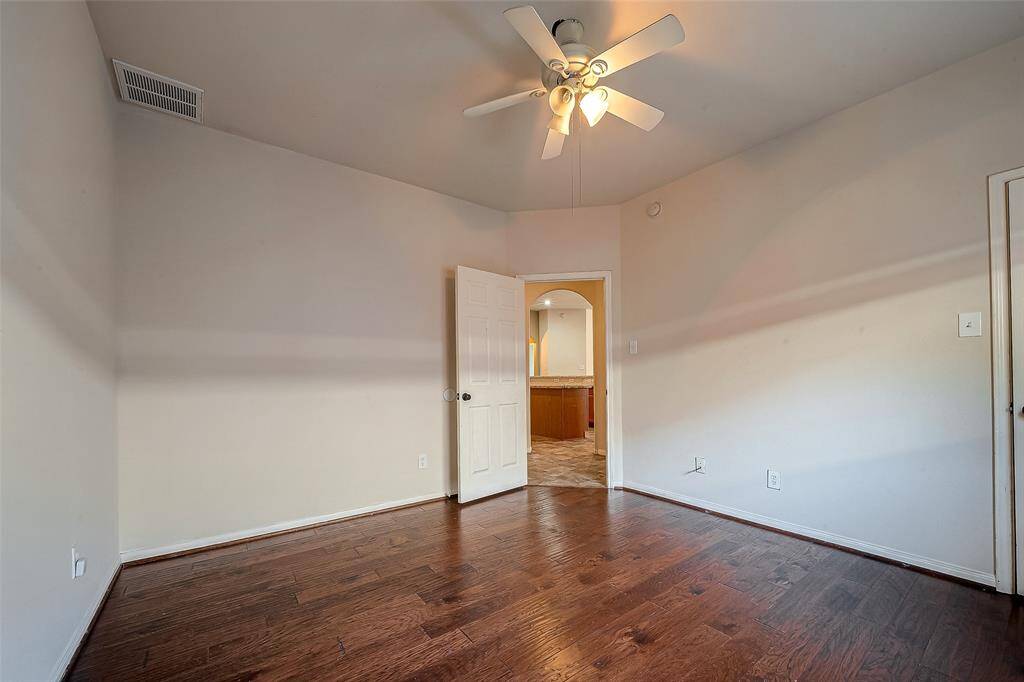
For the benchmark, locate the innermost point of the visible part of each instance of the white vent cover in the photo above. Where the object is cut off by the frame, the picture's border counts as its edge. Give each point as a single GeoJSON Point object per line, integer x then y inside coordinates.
{"type": "Point", "coordinates": [153, 91]}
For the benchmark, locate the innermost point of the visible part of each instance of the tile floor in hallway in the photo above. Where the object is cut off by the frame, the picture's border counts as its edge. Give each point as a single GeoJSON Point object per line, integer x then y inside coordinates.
{"type": "Point", "coordinates": [572, 463]}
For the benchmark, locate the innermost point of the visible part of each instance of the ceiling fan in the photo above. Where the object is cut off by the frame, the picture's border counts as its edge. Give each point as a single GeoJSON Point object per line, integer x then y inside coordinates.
{"type": "Point", "coordinates": [572, 71]}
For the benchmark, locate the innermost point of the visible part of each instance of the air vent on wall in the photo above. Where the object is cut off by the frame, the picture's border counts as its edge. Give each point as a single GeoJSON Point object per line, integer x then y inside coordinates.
{"type": "Point", "coordinates": [154, 91]}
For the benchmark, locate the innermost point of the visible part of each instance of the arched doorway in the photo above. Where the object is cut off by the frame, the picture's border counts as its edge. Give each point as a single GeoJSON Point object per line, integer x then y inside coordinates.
{"type": "Point", "coordinates": [567, 426]}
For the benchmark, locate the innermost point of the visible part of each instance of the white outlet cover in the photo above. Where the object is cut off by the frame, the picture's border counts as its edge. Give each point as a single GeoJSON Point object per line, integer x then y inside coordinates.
{"type": "Point", "coordinates": [423, 461]}
{"type": "Point", "coordinates": [700, 465]}
{"type": "Point", "coordinates": [633, 347]}
{"type": "Point", "coordinates": [968, 324]}
{"type": "Point", "coordinates": [774, 480]}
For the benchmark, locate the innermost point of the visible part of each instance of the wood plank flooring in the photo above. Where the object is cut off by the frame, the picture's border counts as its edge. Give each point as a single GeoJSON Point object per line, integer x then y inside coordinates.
{"type": "Point", "coordinates": [546, 583]}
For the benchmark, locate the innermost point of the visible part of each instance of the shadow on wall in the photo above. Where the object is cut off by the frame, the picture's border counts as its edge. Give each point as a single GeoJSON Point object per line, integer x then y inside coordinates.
{"type": "Point", "coordinates": [378, 351]}
{"type": "Point", "coordinates": [796, 310]}
{"type": "Point", "coordinates": [285, 337]}
{"type": "Point", "coordinates": [882, 198]}
{"type": "Point", "coordinates": [817, 222]}
{"type": "Point", "coordinates": [44, 276]}
{"type": "Point", "coordinates": [821, 298]}
{"type": "Point", "coordinates": [258, 357]}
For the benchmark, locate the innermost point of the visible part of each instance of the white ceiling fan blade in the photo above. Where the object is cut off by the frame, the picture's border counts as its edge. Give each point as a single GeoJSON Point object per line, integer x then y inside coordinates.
{"type": "Point", "coordinates": [534, 31]}
{"type": "Point", "coordinates": [503, 102]}
{"type": "Point", "coordinates": [661, 35]}
{"type": "Point", "coordinates": [553, 144]}
{"type": "Point", "coordinates": [633, 110]}
{"type": "Point", "coordinates": [560, 124]}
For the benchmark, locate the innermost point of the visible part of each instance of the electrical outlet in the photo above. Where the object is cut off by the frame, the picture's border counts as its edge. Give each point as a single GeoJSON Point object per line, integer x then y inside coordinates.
{"type": "Point", "coordinates": [77, 564]}
{"type": "Point", "coordinates": [700, 465]}
{"type": "Point", "coordinates": [423, 461]}
{"type": "Point", "coordinates": [774, 480]}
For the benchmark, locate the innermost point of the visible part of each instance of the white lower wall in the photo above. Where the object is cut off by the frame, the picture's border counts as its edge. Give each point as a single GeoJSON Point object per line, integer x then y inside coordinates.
{"type": "Point", "coordinates": [58, 473]}
{"type": "Point", "coordinates": [286, 332]}
{"type": "Point", "coordinates": [796, 308]}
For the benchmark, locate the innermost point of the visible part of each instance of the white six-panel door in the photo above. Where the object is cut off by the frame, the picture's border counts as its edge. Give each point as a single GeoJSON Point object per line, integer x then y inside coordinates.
{"type": "Point", "coordinates": [1015, 219]}
{"type": "Point", "coordinates": [493, 394]}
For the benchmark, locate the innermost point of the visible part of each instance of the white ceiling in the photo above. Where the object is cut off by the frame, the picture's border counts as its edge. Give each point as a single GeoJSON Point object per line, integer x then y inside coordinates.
{"type": "Point", "coordinates": [381, 86]}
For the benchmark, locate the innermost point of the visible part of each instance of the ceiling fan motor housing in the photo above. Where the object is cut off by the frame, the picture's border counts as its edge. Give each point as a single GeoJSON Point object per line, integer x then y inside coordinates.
{"type": "Point", "coordinates": [572, 70]}
{"type": "Point", "coordinates": [569, 35]}
{"type": "Point", "coordinates": [568, 30]}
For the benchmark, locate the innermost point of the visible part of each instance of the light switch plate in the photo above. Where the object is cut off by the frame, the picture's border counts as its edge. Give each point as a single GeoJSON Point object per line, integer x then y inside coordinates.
{"type": "Point", "coordinates": [969, 324]}
{"type": "Point", "coordinates": [633, 347]}
{"type": "Point", "coordinates": [77, 564]}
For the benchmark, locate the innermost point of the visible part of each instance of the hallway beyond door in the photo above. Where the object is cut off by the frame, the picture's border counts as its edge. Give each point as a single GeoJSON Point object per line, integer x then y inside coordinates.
{"type": "Point", "coordinates": [571, 462]}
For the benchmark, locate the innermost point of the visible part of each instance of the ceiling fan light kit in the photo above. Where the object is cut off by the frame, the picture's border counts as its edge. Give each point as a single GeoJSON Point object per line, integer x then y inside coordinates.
{"type": "Point", "coordinates": [571, 70]}
{"type": "Point", "coordinates": [594, 105]}
{"type": "Point", "coordinates": [561, 100]}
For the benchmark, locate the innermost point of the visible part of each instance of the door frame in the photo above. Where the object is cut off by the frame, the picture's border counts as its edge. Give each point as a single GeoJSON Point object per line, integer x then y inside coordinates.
{"type": "Point", "coordinates": [613, 456]}
{"type": "Point", "coordinates": [1008, 481]}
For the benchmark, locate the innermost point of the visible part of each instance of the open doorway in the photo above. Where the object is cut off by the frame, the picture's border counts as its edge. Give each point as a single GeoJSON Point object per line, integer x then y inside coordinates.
{"type": "Point", "coordinates": [567, 374]}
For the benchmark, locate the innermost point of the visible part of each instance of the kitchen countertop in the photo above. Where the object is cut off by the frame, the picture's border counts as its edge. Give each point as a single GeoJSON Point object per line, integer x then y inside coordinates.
{"type": "Point", "coordinates": [562, 382]}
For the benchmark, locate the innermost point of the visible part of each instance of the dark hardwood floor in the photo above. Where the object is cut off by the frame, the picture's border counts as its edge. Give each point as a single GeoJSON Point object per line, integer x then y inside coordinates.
{"type": "Point", "coordinates": [551, 583]}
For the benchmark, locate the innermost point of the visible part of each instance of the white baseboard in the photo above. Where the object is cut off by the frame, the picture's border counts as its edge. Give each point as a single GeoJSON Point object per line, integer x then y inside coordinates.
{"type": "Point", "coordinates": [82, 629]}
{"type": "Point", "coordinates": [199, 543]}
{"type": "Point", "coordinates": [936, 565]}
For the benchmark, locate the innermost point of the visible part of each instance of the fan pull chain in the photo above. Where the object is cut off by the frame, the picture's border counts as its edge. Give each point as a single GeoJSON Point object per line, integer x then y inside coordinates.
{"type": "Point", "coordinates": [579, 156]}
{"type": "Point", "coordinates": [572, 178]}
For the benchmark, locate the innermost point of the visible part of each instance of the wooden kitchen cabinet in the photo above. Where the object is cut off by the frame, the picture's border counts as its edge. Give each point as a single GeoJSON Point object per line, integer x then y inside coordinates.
{"type": "Point", "coordinates": [559, 412]}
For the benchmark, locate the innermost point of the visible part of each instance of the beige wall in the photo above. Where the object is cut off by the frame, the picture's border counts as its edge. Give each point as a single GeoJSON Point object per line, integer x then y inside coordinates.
{"type": "Point", "coordinates": [535, 338]}
{"type": "Point", "coordinates": [58, 486]}
{"type": "Point", "coordinates": [796, 307]}
{"type": "Point", "coordinates": [564, 342]}
{"type": "Point", "coordinates": [542, 332]}
{"type": "Point", "coordinates": [286, 332]}
{"type": "Point", "coordinates": [564, 240]}
{"type": "Point", "coordinates": [588, 341]}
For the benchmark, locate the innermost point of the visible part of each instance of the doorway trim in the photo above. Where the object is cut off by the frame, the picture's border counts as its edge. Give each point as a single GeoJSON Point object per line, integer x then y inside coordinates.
{"type": "Point", "coordinates": [613, 462]}
{"type": "Point", "coordinates": [1009, 541]}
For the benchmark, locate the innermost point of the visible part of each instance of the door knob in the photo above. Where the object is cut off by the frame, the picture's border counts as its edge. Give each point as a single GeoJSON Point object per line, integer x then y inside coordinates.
{"type": "Point", "coordinates": [466, 396]}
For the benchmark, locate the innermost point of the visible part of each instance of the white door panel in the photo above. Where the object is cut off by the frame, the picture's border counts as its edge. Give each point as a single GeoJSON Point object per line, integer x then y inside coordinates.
{"type": "Point", "coordinates": [508, 439]}
{"type": "Point", "coordinates": [490, 352]}
{"type": "Point", "coordinates": [1015, 196]}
